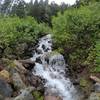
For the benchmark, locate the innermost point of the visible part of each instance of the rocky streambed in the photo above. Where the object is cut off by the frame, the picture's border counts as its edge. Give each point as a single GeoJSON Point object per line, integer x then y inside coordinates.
{"type": "Point", "coordinates": [42, 77]}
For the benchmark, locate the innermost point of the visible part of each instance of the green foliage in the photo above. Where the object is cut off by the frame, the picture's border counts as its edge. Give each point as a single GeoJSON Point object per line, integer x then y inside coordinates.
{"type": "Point", "coordinates": [37, 95]}
{"type": "Point", "coordinates": [97, 60]}
{"type": "Point", "coordinates": [14, 31]}
{"type": "Point", "coordinates": [85, 2]}
{"type": "Point", "coordinates": [41, 10]}
{"type": "Point", "coordinates": [76, 31]}
{"type": "Point", "coordinates": [20, 30]}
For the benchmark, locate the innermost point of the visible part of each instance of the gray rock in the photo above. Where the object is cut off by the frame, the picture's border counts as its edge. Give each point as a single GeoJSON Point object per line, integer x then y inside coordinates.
{"type": "Point", "coordinates": [97, 87]}
{"type": "Point", "coordinates": [17, 81]}
{"type": "Point", "coordinates": [94, 96]}
{"type": "Point", "coordinates": [54, 60]}
{"type": "Point", "coordinates": [25, 94]}
{"type": "Point", "coordinates": [5, 89]}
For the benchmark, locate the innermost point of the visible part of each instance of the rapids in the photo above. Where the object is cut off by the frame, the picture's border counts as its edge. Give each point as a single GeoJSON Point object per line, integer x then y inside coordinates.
{"type": "Point", "coordinates": [51, 67]}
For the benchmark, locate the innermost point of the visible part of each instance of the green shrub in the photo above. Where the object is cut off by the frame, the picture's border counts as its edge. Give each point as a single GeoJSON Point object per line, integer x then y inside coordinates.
{"type": "Point", "coordinates": [76, 32]}
{"type": "Point", "coordinates": [15, 31]}
{"type": "Point", "coordinates": [97, 60]}
{"type": "Point", "coordinates": [38, 95]}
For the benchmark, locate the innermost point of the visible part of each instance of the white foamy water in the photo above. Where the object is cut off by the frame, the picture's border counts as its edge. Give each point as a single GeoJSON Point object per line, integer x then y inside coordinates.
{"type": "Point", "coordinates": [51, 67]}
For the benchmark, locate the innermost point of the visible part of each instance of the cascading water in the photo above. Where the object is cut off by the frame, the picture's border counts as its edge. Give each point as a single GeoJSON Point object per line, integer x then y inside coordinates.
{"type": "Point", "coordinates": [51, 67]}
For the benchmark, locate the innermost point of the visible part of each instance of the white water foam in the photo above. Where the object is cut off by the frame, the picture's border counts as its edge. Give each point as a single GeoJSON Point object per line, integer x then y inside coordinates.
{"type": "Point", "coordinates": [53, 71]}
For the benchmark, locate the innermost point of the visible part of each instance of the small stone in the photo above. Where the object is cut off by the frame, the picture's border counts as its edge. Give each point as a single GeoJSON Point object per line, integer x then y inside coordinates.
{"type": "Point", "coordinates": [39, 51]}
{"type": "Point", "coordinates": [46, 50]}
{"type": "Point", "coordinates": [38, 60]}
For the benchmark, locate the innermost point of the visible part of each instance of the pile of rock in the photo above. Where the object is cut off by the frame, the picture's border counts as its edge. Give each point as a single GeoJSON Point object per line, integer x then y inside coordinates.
{"type": "Point", "coordinates": [18, 82]}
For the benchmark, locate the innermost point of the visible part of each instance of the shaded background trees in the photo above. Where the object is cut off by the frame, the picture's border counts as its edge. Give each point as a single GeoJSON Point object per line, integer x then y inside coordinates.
{"type": "Point", "coordinates": [41, 10]}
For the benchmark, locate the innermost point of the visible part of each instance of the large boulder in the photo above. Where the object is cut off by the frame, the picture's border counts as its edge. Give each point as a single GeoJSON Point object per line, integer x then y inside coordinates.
{"type": "Point", "coordinates": [17, 81]}
{"type": "Point", "coordinates": [5, 89]}
{"type": "Point", "coordinates": [53, 59]}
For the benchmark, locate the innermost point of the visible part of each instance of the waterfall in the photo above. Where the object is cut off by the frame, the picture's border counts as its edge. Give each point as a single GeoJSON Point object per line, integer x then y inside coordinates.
{"type": "Point", "coordinates": [51, 67]}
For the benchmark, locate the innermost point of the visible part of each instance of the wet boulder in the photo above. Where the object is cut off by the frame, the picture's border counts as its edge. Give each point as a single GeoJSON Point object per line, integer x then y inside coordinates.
{"type": "Point", "coordinates": [54, 60]}
{"type": "Point", "coordinates": [35, 81]}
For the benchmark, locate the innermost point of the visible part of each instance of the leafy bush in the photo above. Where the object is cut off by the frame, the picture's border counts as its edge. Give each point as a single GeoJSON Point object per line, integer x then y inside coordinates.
{"type": "Point", "coordinates": [15, 31]}
{"type": "Point", "coordinates": [97, 60]}
{"type": "Point", "coordinates": [38, 95]}
{"type": "Point", "coordinates": [75, 32]}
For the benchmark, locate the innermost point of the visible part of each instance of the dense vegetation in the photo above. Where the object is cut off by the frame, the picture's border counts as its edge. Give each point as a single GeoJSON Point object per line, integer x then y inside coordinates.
{"type": "Point", "coordinates": [75, 29]}
{"type": "Point", "coordinates": [16, 35]}
{"type": "Point", "coordinates": [41, 10]}
{"type": "Point", "coordinates": [76, 33]}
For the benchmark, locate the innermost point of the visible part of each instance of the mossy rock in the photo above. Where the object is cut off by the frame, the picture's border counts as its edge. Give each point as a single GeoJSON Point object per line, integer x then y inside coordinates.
{"type": "Point", "coordinates": [37, 95]}
{"type": "Point", "coordinates": [83, 82]}
{"type": "Point", "coordinates": [53, 53]}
